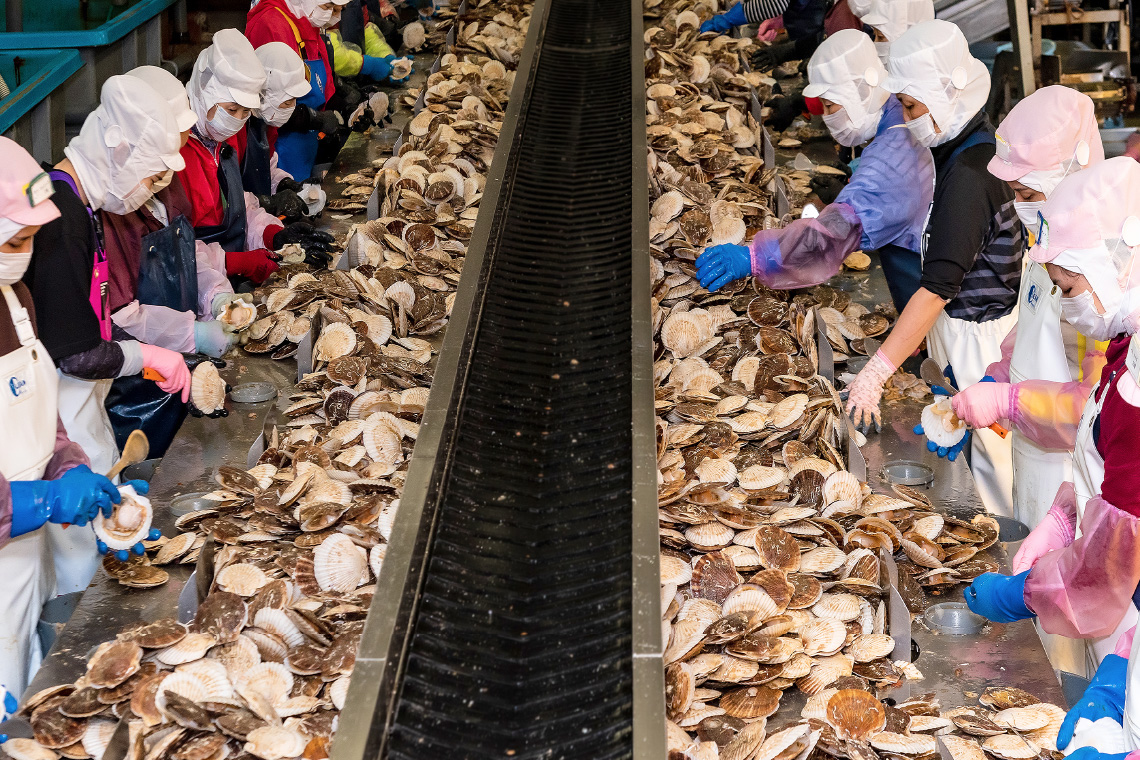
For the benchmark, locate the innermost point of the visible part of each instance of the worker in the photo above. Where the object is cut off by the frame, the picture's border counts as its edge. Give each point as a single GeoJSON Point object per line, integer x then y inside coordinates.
{"type": "Point", "coordinates": [301, 24]}
{"type": "Point", "coordinates": [224, 88]}
{"type": "Point", "coordinates": [44, 476]}
{"type": "Point", "coordinates": [1046, 137]}
{"type": "Point", "coordinates": [888, 19]}
{"type": "Point", "coordinates": [1084, 587]}
{"type": "Point", "coordinates": [373, 60]}
{"type": "Point", "coordinates": [357, 15]}
{"type": "Point", "coordinates": [971, 268]}
{"type": "Point", "coordinates": [884, 206]}
{"type": "Point", "coordinates": [126, 145]}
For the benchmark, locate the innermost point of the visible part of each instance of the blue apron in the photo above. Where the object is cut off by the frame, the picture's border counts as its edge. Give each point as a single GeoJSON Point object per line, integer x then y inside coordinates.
{"type": "Point", "coordinates": [297, 151]}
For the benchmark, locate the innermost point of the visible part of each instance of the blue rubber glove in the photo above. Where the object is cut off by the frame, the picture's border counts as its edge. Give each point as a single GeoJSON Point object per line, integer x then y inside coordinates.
{"type": "Point", "coordinates": [139, 548]}
{"type": "Point", "coordinates": [997, 597]}
{"type": "Point", "coordinates": [722, 264]}
{"type": "Point", "coordinates": [213, 338]}
{"type": "Point", "coordinates": [1090, 753]}
{"type": "Point", "coordinates": [723, 23]}
{"type": "Point", "coordinates": [375, 68]}
{"type": "Point", "coordinates": [1103, 698]}
{"type": "Point", "coordinates": [75, 498]}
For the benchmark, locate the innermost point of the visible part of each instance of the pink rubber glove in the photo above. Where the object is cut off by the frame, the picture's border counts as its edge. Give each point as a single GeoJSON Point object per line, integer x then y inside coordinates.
{"type": "Point", "coordinates": [1124, 643]}
{"type": "Point", "coordinates": [171, 366]}
{"type": "Point", "coordinates": [769, 28]}
{"type": "Point", "coordinates": [983, 404]}
{"type": "Point", "coordinates": [866, 389]}
{"type": "Point", "coordinates": [1056, 531]}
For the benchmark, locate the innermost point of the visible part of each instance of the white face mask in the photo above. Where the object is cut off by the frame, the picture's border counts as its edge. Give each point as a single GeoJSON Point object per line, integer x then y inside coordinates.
{"type": "Point", "coordinates": [922, 130]}
{"type": "Point", "coordinates": [846, 132]}
{"type": "Point", "coordinates": [13, 266]}
{"type": "Point", "coordinates": [883, 50]}
{"type": "Point", "coordinates": [274, 116]}
{"type": "Point", "coordinates": [1027, 213]}
{"type": "Point", "coordinates": [223, 126]}
{"type": "Point", "coordinates": [321, 17]}
{"type": "Point", "coordinates": [1080, 312]}
{"type": "Point", "coordinates": [132, 202]}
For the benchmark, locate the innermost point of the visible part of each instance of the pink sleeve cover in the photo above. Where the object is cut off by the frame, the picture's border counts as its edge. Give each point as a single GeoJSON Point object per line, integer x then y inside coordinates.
{"type": "Point", "coordinates": [808, 251]}
{"type": "Point", "coordinates": [1049, 413]}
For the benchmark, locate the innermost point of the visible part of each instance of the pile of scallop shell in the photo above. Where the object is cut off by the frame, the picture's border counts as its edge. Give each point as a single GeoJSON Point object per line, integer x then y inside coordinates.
{"type": "Point", "coordinates": [297, 541]}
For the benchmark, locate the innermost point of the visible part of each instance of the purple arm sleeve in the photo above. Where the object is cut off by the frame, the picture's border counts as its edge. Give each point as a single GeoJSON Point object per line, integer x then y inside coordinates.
{"type": "Point", "coordinates": [807, 251]}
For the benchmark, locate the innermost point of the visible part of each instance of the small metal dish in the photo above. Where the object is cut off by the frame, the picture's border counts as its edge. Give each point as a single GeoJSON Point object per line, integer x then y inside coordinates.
{"type": "Point", "coordinates": [191, 502]}
{"type": "Point", "coordinates": [1010, 530]}
{"type": "Point", "coordinates": [953, 618]}
{"type": "Point", "coordinates": [253, 393]}
{"type": "Point", "coordinates": [905, 472]}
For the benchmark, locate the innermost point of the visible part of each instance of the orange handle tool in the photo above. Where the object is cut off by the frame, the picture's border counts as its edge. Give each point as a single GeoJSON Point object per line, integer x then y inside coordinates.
{"type": "Point", "coordinates": [150, 374]}
{"type": "Point", "coordinates": [999, 430]}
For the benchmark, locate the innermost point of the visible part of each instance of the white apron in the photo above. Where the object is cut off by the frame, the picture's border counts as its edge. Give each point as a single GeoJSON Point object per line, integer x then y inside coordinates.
{"type": "Point", "coordinates": [27, 404]}
{"type": "Point", "coordinates": [968, 348]}
{"type": "Point", "coordinates": [85, 418]}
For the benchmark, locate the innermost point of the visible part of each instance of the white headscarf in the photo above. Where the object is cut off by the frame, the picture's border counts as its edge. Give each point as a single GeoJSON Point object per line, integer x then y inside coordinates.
{"type": "Point", "coordinates": [893, 17]}
{"type": "Point", "coordinates": [931, 63]}
{"type": "Point", "coordinates": [226, 72]}
{"type": "Point", "coordinates": [846, 70]}
{"type": "Point", "coordinates": [172, 90]}
{"type": "Point", "coordinates": [285, 78]}
{"type": "Point", "coordinates": [130, 136]}
{"type": "Point", "coordinates": [311, 10]}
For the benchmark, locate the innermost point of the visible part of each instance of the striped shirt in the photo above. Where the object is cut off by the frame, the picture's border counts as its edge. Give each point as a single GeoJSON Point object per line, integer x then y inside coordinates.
{"type": "Point", "coordinates": [757, 11]}
{"type": "Point", "coordinates": [973, 244]}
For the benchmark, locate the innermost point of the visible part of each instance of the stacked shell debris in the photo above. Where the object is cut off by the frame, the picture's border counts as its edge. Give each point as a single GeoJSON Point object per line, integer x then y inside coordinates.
{"type": "Point", "coordinates": [770, 566]}
{"type": "Point", "coordinates": [263, 668]}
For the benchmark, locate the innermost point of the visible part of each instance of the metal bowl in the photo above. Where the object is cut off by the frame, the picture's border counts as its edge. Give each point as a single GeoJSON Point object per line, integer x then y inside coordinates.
{"type": "Point", "coordinates": [253, 393]}
{"type": "Point", "coordinates": [906, 472]}
{"type": "Point", "coordinates": [191, 502]}
{"type": "Point", "coordinates": [953, 618]}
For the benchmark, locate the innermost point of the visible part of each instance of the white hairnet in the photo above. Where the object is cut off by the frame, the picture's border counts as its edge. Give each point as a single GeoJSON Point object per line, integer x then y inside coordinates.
{"type": "Point", "coordinates": [931, 63]}
{"type": "Point", "coordinates": [130, 136]}
{"type": "Point", "coordinates": [846, 70]}
{"type": "Point", "coordinates": [226, 72]}
{"type": "Point", "coordinates": [171, 90]}
{"type": "Point", "coordinates": [285, 74]}
{"type": "Point", "coordinates": [893, 17]}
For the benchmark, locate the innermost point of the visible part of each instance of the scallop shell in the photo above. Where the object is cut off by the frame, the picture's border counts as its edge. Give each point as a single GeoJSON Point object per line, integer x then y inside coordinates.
{"type": "Point", "coordinates": [713, 576]}
{"type": "Point", "coordinates": [709, 536]}
{"type": "Point", "coordinates": [843, 486]}
{"type": "Point", "coordinates": [338, 692]}
{"type": "Point", "coordinates": [238, 314]}
{"type": "Point", "coordinates": [1009, 747]}
{"type": "Point", "coordinates": [788, 411]}
{"type": "Point", "coordinates": [272, 680]}
{"type": "Point", "coordinates": [904, 744]}
{"type": "Point", "coordinates": [28, 749]}
{"type": "Point", "coordinates": [752, 599]}
{"type": "Point", "coordinates": [842, 607]}
{"type": "Point", "coordinates": [668, 206]}
{"type": "Point", "coordinates": [940, 425]}
{"type": "Point", "coordinates": [241, 578]}
{"type": "Point", "coordinates": [402, 294]}
{"type": "Point", "coordinates": [871, 646]}
{"type": "Point", "coordinates": [336, 340]}
{"type": "Point", "coordinates": [779, 745]}
{"type": "Point", "coordinates": [823, 636]}
{"type": "Point", "coordinates": [855, 714]}
{"type": "Point", "coordinates": [684, 333]}
{"type": "Point", "coordinates": [1029, 718]}
{"type": "Point", "coordinates": [275, 743]}
{"type": "Point", "coordinates": [751, 702]}
{"type": "Point", "coordinates": [778, 550]}
{"type": "Point", "coordinates": [207, 388]}
{"type": "Point", "coordinates": [822, 560]}
{"type": "Point", "coordinates": [759, 478]}
{"type": "Point", "coordinates": [713, 470]}
{"type": "Point", "coordinates": [339, 564]}
{"type": "Point", "coordinates": [961, 748]}
{"type": "Point", "coordinates": [675, 570]}
{"type": "Point", "coordinates": [193, 646]}
{"type": "Point", "coordinates": [279, 624]}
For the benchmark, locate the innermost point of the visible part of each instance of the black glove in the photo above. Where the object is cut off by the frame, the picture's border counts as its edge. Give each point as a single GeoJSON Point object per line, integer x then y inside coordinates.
{"type": "Point", "coordinates": [328, 122]}
{"type": "Point", "coordinates": [284, 204]}
{"type": "Point", "coordinates": [290, 184]}
{"type": "Point", "coordinates": [827, 186]}
{"type": "Point", "coordinates": [785, 109]}
{"type": "Point", "coordinates": [772, 56]}
{"type": "Point", "coordinates": [316, 243]}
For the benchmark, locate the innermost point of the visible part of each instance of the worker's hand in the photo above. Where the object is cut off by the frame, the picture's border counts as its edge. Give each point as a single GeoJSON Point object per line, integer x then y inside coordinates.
{"type": "Point", "coordinates": [284, 204]}
{"type": "Point", "coordinates": [402, 80]}
{"type": "Point", "coordinates": [255, 265]}
{"type": "Point", "coordinates": [772, 56]}
{"type": "Point", "coordinates": [138, 549]}
{"type": "Point", "coordinates": [221, 300]}
{"type": "Point", "coordinates": [376, 69]}
{"type": "Point", "coordinates": [328, 122]}
{"type": "Point", "coordinates": [827, 186]}
{"type": "Point", "coordinates": [317, 244]}
{"type": "Point", "coordinates": [1090, 753]}
{"type": "Point", "coordinates": [945, 452]}
{"type": "Point", "coordinates": [769, 28]}
{"type": "Point", "coordinates": [288, 183]}
{"type": "Point", "coordinates": [172, 367]}
{"type": "Point", "coordinates": [213, 338]}
{"type": "Point", "coordinates": [1000, 598]}
{"type": "Point", "coordinates": [865, 392]}
{"type": "Point", "coordinates": [1103, 698]}
{"type": "Point", "coordinates": [783, 110]}
{"type": "Point", "coordinates": [983, 404]}
{"type": "Point", "coordinates": [721, 264]}
{"type": "Point", "coordinates": [75, 499]}
{"type": "Point", "coordinates": [1056, 531]}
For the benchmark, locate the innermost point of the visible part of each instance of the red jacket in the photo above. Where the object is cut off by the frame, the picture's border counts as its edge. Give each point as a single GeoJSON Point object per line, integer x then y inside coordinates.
{"type": "Point", "coordinates": [241, 139]}
{"type": "Point", "coordinates": [200, 181]}
{"type": "Point", "coordinates": [268, 21]}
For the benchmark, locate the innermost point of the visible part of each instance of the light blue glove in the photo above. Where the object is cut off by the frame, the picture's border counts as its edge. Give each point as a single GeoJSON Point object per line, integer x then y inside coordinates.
{"type": "Point", "coordinates": [1103, 698]}
{"type": "Point", "coordinates": [947, 452]}
{"type": "Point", "coordinates": [997, 597]}
{"type": "Point", "coordinates": [722, 264]}
{"type": "Point", "coordinates": [1089, 753]}
{"type": "Point", "coordinates": [73, 499]}
{"type": "Point", "coordinates": [377, 68]}
{"type": "Point", "coordinates": [213, 338]}
{"type": "Point", "coordinates": [723, 23]}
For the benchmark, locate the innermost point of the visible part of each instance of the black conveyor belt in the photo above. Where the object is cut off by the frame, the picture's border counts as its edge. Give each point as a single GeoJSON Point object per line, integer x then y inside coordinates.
{"type": "Point", "coordinates": [518, 640]}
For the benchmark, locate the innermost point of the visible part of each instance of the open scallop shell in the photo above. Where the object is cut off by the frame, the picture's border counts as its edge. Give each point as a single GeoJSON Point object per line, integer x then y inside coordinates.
{"type": "Point", "coordinates": [128, 524]}
{"type": "Point", "coordinates": [855, 714]}
{"type": "Point", "coordinates": [1009, 747]}
{"type": "Point", "coordinates": [336, 340]}
{"type": "Point", "coordinates": [941, 425]}
{"type": "Point", "coordinates": [207, 388]}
